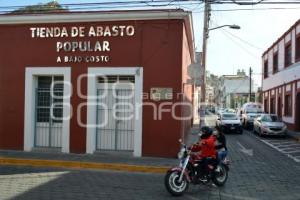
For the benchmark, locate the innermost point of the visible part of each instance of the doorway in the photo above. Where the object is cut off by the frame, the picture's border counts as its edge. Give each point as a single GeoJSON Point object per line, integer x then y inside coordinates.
{"type": "Point", "coordinates": [48, 118]}
{"type": "Point", "coordinates": [279, 107]}
{"type": "Point", "coordinates": [115, 113]}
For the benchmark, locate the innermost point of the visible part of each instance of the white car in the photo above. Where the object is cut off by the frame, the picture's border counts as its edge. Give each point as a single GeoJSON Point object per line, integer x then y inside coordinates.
{"type": "Point", "coordinates": [229, 122]}
{"type": "Point", "coordinates": [248, 113]}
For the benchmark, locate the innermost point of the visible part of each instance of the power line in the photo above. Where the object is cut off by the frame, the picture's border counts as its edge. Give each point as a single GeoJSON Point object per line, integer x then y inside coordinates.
{"type": "Point", "coordinates": [162, 3]}
{"type": "Point", "coordinates": [250, 3]}
{"type": "Point", "coordinates": [110, 5]}
{"type": "Point", "coordinates": [244, 49]}
{"type": "Point", "coordinates": [255, 9]}
{"type": "Point", "coordinates": [149, 3]}
{"type": "Point", "coordinates": [244, 41]}
{"type": "Point", "coordinates": [245, 3]}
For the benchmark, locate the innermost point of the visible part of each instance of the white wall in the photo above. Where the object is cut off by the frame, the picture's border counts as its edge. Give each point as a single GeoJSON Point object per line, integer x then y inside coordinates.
{"type": "Point", "coordinates": [238, 85]}
{"type": "Point", "coordinates": [287, 75]}
{"type": "Point", "coordinates": [29, 104]}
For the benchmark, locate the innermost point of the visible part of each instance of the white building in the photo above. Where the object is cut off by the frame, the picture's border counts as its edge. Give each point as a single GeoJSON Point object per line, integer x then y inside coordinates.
{"type": "Point", "coordinates": [281, 77]}
{"type": "Point", "coordinates": [235, 90]}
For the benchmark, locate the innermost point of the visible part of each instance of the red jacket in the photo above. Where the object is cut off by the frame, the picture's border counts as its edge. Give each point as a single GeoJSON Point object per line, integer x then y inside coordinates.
{"type": "Point", "coordinates": [207, 147]}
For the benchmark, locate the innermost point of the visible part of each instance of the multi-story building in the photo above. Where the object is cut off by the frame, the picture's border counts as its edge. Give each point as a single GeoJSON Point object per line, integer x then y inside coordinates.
{"type": "Point", "coordinates": [281, 77]}
{"type": "Point", "coordinates": [212, 88]}
{"type": "Point", "coordinates": [235, 90]}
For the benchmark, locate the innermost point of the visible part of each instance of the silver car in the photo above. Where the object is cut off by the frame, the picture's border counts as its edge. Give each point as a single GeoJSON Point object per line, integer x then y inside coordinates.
{"type": "Point", "coordinates": [269, 124]}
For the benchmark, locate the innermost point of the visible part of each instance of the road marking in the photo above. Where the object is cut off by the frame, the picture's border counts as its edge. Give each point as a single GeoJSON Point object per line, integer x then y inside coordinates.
{"type": "Point", "coordinates": [286, 148]}
{"type": "Point", "coordinates": [249, 152]}
{"type": "Point", "coordinates": [296, 151]}
{"type": "Point", "coordinates": [278, 142]}
{"type": "Point", "coordinates": [278, 147]}
{"type": "Point", "coordinates": [288, 145]}
{"type": "Point", "coordinates": [289, 150]}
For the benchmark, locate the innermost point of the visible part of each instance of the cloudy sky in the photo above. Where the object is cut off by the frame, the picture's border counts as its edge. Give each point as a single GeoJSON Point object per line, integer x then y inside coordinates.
{"type": "Point", "coordinates": [228, 49]}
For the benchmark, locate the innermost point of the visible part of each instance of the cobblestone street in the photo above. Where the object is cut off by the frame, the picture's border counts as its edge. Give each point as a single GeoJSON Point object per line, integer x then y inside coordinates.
{"type": "Point", "coordinates": [268, 174]}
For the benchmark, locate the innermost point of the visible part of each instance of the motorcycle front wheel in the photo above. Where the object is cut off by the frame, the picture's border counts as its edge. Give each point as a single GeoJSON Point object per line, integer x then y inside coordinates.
{"type": "Point", "coordinates": [220, 175]}
{"type": "Point", "coordinates": [173, 185]}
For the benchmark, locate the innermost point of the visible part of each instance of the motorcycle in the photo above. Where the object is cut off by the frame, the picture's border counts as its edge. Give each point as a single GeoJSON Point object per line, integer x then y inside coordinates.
{"type": "Point", "coordinates": [177, 179]}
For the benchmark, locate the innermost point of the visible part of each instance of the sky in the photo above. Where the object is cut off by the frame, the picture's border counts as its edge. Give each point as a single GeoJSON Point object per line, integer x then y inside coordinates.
{"type": "Point", "coordinates": [228, 49]}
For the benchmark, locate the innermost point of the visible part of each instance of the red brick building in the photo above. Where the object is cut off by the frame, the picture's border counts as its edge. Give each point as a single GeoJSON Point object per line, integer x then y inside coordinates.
{"type": "Point", "coordinates": [61, 76]}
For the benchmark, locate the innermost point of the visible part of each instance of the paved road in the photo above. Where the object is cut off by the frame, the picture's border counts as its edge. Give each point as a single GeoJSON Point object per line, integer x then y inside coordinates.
{"type": "Point", "coordinates": [287, 146]}
{"type": "Point", "coordinates": [258, 171]}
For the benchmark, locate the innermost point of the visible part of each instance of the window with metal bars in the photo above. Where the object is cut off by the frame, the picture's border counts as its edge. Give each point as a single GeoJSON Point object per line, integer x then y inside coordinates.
{"type": "Point", "coordinates": [288, 55]}
{"type": "Point", "coordinates": [45, 99]}
{"type": "Point", "coordinates": [116, 78]}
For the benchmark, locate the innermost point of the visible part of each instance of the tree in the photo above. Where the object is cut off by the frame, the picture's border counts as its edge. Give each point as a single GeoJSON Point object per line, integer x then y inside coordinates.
{"type": "Point", "coordinates": [52, 6]}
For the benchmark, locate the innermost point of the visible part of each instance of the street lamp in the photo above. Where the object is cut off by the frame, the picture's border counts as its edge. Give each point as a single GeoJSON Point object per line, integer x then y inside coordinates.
{"type": "Point", "coordinates": [205, 36]}
{"type": "Point", "coordinates": [204, 47]}
{"type": "Point", "coordinates": [233, 26]}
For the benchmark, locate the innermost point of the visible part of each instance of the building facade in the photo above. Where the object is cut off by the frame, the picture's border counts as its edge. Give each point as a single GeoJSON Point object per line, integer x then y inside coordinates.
{"type": "Point", "coordinates": [281, 77]}
{"type": "Point", "coordinates": [235, 89]}
{"type": "Point", "coordinates": [87, 82]}
{"type": "Point", "coordinates": [194, 72]}
{"type": "Point", "coordinates": [212, 89]}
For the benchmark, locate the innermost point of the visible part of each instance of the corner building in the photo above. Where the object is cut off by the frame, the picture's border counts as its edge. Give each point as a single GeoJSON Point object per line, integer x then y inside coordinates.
{"type": "Point", "coordinates": [62, 74]}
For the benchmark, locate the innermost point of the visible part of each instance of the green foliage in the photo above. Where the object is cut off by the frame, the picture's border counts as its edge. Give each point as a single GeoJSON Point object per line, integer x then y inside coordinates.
{"type": "Point", "coordinates": [52, 6]}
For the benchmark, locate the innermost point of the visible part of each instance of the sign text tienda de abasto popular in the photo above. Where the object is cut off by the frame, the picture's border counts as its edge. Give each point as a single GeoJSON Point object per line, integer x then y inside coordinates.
{"type": "Point", "coordinates": [74, 44]}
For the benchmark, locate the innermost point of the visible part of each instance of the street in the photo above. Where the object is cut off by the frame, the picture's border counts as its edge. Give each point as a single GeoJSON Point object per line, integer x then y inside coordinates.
{"type": "Point", "coordinates": [257, 171]}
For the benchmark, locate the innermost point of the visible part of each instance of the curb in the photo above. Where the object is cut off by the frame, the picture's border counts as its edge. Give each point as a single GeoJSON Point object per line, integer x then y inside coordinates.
{"type": "Point", "coordinates": [82, 165]}
{"type": "Point", "coordinates": [295, 137]}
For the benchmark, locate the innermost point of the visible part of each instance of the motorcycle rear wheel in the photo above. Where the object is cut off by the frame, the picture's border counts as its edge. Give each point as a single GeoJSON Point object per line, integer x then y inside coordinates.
{"type": "Point", "coordinates": [172, 184]}
{"type": "Point", "coordinates": [220, 175]}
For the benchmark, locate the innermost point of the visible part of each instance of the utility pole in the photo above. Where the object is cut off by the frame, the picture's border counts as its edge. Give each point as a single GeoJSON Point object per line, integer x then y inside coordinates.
{"type": "Point", "coordinates": [250, 80]}
{"type": "Point", "coordinates": [203, 60]}
{"type": "Point", "coordinates": [204, 46]}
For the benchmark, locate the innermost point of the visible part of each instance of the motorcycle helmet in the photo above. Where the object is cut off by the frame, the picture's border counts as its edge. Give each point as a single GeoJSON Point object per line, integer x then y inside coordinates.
{"type": "Point", "coordinates": [206, 132]}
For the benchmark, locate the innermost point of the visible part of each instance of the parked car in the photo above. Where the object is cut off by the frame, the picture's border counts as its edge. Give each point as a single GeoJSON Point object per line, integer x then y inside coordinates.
{"type": "Point", "coordinates": [248, 113]}
{"type": "Point", "coordinates": [229, 110]}
{"type": "Point", "coordinates": [229, 122]}
{"type": "Point", "coordinates": [220, 111]}
{"type": "Point", "coordinates": [269, 124]}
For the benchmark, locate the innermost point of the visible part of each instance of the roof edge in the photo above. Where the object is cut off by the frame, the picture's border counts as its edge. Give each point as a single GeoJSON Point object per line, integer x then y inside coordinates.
{"type": "Point", "coordinates": [93, 16]}
{"type": "Point", "coordinates": [281, 37]}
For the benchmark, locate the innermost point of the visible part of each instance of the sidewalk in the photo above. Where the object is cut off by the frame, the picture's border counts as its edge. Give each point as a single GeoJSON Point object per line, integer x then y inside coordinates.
{"type": "Point", "coordinates": [294, 135]}
{"type": "Point", "coordinates": [119, 161]}
{"type": "Point", "coordinates": [106, 161]}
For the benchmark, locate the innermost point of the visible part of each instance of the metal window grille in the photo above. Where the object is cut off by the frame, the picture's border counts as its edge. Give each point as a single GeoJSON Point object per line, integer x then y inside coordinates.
{"type": "Point", "coordinates": [49, 112]}
{"type": "Point", "coordinates": [115, 133]}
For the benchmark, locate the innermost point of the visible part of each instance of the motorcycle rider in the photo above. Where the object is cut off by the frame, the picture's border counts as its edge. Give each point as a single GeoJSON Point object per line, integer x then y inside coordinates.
{"type": "Point", "coordinates": [208, 151]}
{"type": "Point", "coordinates": [221, 146]}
